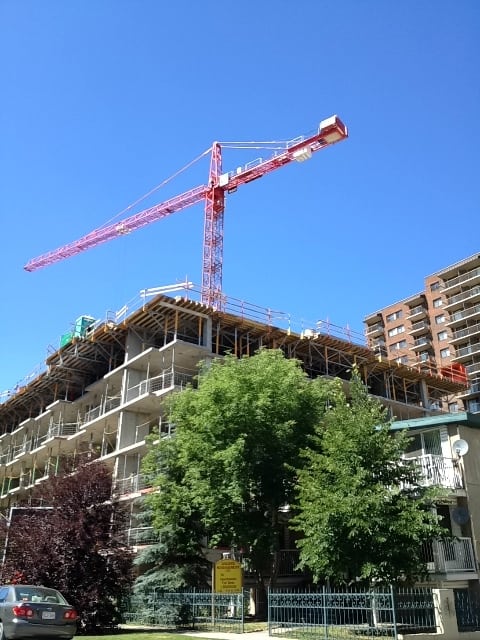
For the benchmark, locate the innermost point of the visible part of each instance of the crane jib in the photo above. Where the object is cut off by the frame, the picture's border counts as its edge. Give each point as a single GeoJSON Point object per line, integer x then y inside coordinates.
{"type": "Point", "coordinates": [329, 132]}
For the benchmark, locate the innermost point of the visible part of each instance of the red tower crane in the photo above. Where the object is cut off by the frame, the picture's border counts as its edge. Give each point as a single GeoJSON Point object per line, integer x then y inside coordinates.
{"type": "Point", "coordinates": [329, 132]}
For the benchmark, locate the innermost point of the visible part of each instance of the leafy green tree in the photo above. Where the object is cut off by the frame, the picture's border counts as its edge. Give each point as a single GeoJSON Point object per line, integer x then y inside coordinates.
{"type": "Point", "coordinates": [75, 543]}
{"type": "Point", "coordinates": [360, 508]}
{"type": "Point", "coordinates": [231, 464]}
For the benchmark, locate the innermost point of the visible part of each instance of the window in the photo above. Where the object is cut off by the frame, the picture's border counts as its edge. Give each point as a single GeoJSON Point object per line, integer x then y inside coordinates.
{"type": "Point", "coordinates": [396, 315]}
{"type": "Point", "coordinates": [424, 356]}
{"type": "Point", "coordinates": [453, 407]}
{"type": "Point", "coordinates": [435, 286]}
{"type": "Point", "coordinates": [396, 330]}
{"type": "Point", "coordinates": [437, 303]}
{"type": "Point", "coordinates": [442, 335]}
{"type": "Point", "coordinates": [398, 345]}
{"type": "Point", "coordinates": [402, 360]}
{"type": "Point", "coordinates": [439, 319]}
{"type": "Point", "coordinates": [445, 353]}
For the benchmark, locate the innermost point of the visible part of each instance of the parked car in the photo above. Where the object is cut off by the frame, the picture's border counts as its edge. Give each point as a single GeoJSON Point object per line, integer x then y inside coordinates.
{"type": "Point", "coordinates": [28, 611]}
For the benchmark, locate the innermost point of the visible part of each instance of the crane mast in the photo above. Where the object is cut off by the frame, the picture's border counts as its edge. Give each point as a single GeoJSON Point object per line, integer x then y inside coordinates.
{"type": "Point", "coordinates": [330, 131]}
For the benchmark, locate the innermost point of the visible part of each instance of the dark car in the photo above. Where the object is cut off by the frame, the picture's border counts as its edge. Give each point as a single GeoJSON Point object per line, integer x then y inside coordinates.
{"type": "Point", "coordinates": [28, 611]}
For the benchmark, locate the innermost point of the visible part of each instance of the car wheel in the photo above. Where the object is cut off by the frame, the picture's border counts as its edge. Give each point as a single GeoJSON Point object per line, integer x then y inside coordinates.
{"type": "Point", "coordinates": [2, 632]}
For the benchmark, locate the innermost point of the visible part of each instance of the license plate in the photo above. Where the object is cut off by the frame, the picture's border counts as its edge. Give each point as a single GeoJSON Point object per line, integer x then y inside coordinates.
{"type": "Point", "coordinates": [48, 615]}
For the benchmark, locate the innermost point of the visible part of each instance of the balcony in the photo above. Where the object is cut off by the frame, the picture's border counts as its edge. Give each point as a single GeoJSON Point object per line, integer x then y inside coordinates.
{"type": "Point", "coordinates": [462, 334]}
{"type": "Point", "coordinates": [421, 344]}
{"type": "Point", "coordinates": [419, 327]}
{"type": "Point", "coordinates": [418, 312]}
{"type": "Point", "coordinates": [107, 404]}
{"type": "Point", "coordinates": [167, 380]}
{"type": "Point", "coordinates": [133, 484]}
{"type": "Point", "coordinates": [140, 536]}
{"type": "Point", "coordinates": [285, 565]}
{"type": "Point", "coordinates": [471, 277]}
{"type": "Point", "coordinates": [453, 556]}
{"type": "Point", "coordinates": [474, 389]}
{"type": "Point", "coordinates": [473, 369]}
{"type": "Point", "coordinates": [458, 300]}
{"type": "Point", "coordinates": [374, 330]}
{"type": "Point", "coordinates": [474, 407]}
{"type": "Point", "coordinates": [459, 316]}
{"type": "Point", "coordinates": [61, 429]}
{"type": "Point", "coordinates": [439, 471]}
{"type": "Point", "coordinates": [465, 353]}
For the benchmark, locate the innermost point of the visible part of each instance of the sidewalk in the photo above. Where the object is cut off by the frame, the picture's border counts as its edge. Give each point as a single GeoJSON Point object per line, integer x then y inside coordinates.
{"type": "Point", "coordinates": [220, 635]}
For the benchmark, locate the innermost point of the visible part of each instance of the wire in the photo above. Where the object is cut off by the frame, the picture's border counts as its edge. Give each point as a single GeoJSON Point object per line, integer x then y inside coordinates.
{"type": "Point", "coordinates": [255, 142]}
{"type": "Point", "coordinates": [239, 146]}
{"type": "Point", "coordinates": [159, 186]}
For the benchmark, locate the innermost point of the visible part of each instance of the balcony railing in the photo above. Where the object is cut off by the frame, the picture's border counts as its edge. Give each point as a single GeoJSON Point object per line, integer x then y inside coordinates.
{"type": "Point", "coordinates": [63, 429]}
{"type": "Point", "coordinates": [166, 380]}
{"type": "Point", "coordinates": [419, 326]}
{"type": "Point", "coordinates": [474, 407]}
{"type": "Point", "coordinates": [414, 311]}
{"type": "Point", "coordinates": [472, 368]}
{"type": "Point", "coordinates": [461, 315]}
{"type": "Point", "coordinates": [468, 331]}
{"type": "Point", "coordinates": [468, 350]}
{"type": "Point", "coordinates": [439, 471]}
{"type": "Point", "coordinates": [132, 484]}
{"type": "Point", "coordinates": [453, 282]}
{"type": "Point", "coordinates": [374, 328]}
{"type": "Point", "coordinates": [285, 563]}
{"type": "Point", "coordinates": [465, 295]}
{"type": "Point", "coordinates": [140, 536]}
{"type": "Point", "coordinates": [450, 556]}
{"type": "Point", "coordinates": [107, 404]}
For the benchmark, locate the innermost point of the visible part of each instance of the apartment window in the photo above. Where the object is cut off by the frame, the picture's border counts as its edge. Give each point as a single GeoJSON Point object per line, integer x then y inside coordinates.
{"type": "Point", "coordinates": [442, 335]}
{"type": "Point", "coordinates": [437, 303]}
{"type": "Point", "coordinates": [445, 353]}
{"type": "Point", "coordinates": [439, 319]}
{"type": "Point", "coordinates": [398, 345]}
{"type": "Point", "coordinates": [424, 357]}
{"type": "Point", "coordinates": [435, 286]}
{"type": "Point", "coordinates": [402, 360]}
{"type": "Point", "coordinates": [396, 315]}
{"type": "Point", "coordinates": [453, 407]}
{"type": "Point", "coordinates": [396, 330]}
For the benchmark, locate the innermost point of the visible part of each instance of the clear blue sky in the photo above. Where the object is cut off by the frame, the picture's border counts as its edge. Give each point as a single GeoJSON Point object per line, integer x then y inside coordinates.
{"type": "Point", "coordinates": [103, 99]}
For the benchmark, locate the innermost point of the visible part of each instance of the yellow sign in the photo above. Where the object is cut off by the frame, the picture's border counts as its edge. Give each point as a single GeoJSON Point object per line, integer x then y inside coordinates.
{"type": "Point", "coordinates": [228, 576]}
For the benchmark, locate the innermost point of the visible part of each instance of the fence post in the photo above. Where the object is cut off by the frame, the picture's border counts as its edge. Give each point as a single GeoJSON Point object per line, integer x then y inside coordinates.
{"type": "Point", "coordinates": [445, 613]}
{"type": "Point", "coordinates": [269, 604]}
{"type": "Point", "coordinates": [242, 604]}
{"type": "Point", "coordinates": [394, 617]}
{"type": "Point", "coordinates": [325, 611]}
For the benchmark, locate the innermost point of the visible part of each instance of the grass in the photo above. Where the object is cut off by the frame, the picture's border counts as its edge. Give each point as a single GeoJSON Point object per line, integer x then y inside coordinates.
{"type": "Point", "coordinates": [161, 634]}
{"type": "Point", "coordinates": [138, 635]}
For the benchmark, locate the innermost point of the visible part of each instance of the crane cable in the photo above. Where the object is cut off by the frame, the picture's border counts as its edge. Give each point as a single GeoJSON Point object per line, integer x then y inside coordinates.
{"type": "Point", "coordinates": [159, 186]}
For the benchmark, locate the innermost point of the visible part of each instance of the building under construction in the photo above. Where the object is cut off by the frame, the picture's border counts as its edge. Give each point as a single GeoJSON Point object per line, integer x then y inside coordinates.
{"type": "Point", "coordinates": [101, 392]}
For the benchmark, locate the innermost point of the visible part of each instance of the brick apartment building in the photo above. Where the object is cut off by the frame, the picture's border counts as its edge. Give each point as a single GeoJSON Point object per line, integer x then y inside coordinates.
{"type": "Point", "coordinates": [436, 330]}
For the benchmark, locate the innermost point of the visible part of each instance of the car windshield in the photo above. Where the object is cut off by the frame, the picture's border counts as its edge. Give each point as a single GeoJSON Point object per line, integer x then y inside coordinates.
{"type": "Point", "coordinates": [38, 594]}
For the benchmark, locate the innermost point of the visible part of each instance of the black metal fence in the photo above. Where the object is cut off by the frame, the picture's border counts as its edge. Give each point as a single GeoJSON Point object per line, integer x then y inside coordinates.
{"type": "Point", "coordinates": [340, 614]}
{"type": "Point", "coordinates": [200, 610]}
{"type": "Point", "coordinates": [467, 608]}
{"type": "Point", "coordinates": [323, 613]}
